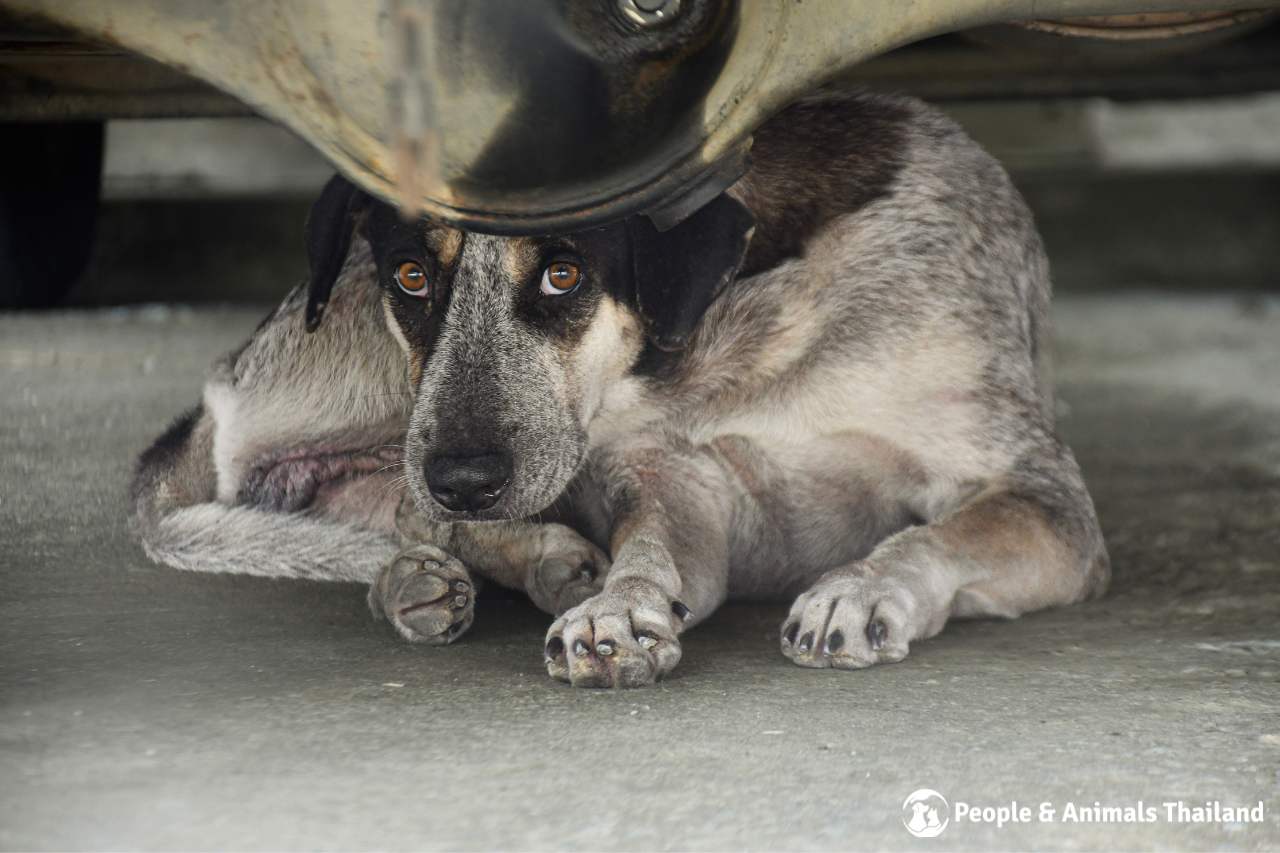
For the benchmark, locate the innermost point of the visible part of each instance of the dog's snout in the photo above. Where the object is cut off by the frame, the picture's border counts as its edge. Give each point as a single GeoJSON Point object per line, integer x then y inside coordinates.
{"type": "Point", "coordinates": [468, 482]}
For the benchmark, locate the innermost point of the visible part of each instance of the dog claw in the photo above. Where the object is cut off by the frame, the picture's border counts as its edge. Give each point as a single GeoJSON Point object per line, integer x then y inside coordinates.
{"type": "Point", "coordinates": [461, 586]}
{"type": "Point", "coordinates": [806, 642]}
{"type": "Point", "coordinates": [555, 648]}
{"type": "Point", "coordinates": [877, 633]}
{"type": "Point", "coordinates": [682, 612]}
{"type": "Point", "coordinates": [646, 642]}
{"type": "Point", "coordinates": [835, 642]}
{"type": "Point", "coordinates": [580, 648]}
{"type": "Point", "coordinates": [604, 648]}
{"type": "Point", "coordinates": [789, 635]}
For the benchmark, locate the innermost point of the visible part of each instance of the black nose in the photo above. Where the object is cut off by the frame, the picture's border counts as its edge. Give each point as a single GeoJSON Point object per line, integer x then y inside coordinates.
{"type": "Point", "coordinates": [468, 482]}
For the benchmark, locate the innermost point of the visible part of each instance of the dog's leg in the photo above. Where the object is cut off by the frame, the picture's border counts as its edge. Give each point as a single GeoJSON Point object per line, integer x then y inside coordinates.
{"type": "Point", "coordinates": [181, 523]}
{"type": "Point", "coordinates": [1028, 540]}
{"type": "Point", "coordinates": [287, 468]}
{"type": "Point", "coordinates": [426, 594]}
{"type": "Point", "coordinates": [671, 512]}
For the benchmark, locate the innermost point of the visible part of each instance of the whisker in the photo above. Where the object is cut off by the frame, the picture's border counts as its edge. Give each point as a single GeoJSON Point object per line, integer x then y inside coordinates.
{"type": "Point", "coordinates": [396, 483]}
{"type": "Point", "coordinates": [377, 396]}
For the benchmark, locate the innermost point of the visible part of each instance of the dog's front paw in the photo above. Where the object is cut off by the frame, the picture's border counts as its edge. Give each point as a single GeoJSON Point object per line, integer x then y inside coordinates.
{"type": "Point", "coordinates": [856, 617]}
{"type": "Point", "coordinates": [569, 570]}
{"type": "Point", "coordinates": [426, 595]}
{"type": "Point", "coordinates": [624, 637]}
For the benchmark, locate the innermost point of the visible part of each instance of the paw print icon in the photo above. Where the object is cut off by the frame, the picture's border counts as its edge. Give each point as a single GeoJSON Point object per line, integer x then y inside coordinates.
{"type": "Point", "coordinates": [925, 813]}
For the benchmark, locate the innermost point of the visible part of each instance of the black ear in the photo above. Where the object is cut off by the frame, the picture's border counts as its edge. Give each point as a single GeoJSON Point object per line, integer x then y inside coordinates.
{"type": "Point", "coordinates": [330, 226]}
{"type": "Point", "coordinates": [679, 272]}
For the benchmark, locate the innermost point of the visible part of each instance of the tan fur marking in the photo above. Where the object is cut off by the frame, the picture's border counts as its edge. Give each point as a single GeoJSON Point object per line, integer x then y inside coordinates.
{"type": "Point", "coordinates": [519, 257]}
{"type": "Point", "coordinates": [414, 362]}
{"type": "Point", "coordinates": [1028, 565]}
{"type": "Point", "coordinates": [446, 243]}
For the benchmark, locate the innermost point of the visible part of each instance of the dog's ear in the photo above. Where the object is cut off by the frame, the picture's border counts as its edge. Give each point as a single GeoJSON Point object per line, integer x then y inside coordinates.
{"type": "Point", "coordinates": [330, 226]}
{"type": "Point", "coordinates": [677, 273]}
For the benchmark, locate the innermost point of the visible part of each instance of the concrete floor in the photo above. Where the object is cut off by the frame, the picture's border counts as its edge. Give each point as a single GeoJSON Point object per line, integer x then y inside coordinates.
{"type": "Point", "coordinates": [143, 708]}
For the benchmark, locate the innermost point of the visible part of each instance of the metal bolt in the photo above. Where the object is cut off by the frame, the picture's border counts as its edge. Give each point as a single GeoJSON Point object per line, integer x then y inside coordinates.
{"type": "Point", "coordinates": [647, 13]}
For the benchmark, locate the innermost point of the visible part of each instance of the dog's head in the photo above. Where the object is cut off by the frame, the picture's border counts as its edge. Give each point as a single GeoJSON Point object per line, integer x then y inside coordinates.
{"type": "Point", "coordinates": [512, 341]}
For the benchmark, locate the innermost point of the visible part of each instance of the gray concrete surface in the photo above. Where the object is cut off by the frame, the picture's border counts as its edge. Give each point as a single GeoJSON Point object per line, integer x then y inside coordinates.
{"type": "Point", "coordinates": [143, 708]}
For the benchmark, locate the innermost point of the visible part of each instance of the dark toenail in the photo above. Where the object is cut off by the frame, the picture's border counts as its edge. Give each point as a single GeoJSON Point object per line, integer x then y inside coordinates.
{"type": "Point", "coordinates": [580, 648]}
{"type": "Point", "coordinates": [460, 586]}
{"type": "Point", "coordinates": [555, 648]}
{"type": "Point", "coordinates": [587, 571]}
{"type": "Point", "coordinates": [806, 642]}
{"type": "Point", "coordinates": [681, 612]}
{"type": "Point", "coordinates": [789, 636]}
{"type": "Point", "coordinates": [835, 642]}
{"type": "Point", "coordinates": [877, 633]}
{"type": "Point", "coordinates": [456, 628]}
{"type": "Point", "coordinates": [604, 648]}
{"type": "Point", "coordinates": [459, 601]}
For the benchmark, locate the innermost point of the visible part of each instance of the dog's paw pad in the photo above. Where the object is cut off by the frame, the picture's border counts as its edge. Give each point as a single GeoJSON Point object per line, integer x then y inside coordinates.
{"type": "Point", "coordinates": [426, 595]}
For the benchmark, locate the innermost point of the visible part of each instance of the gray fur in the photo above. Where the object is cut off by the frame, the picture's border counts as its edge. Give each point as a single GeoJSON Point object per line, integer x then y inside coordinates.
{"type": "Point", "coordinates": [195, 503]}
{"type": "Point", "coordinates": [863, 420]}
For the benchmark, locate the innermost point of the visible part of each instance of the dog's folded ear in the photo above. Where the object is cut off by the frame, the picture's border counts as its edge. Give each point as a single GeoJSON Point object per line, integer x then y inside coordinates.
{"type": "Point", "coordinates": [330, 226]}
{"type": "Point", "coordinates": [679, 272]}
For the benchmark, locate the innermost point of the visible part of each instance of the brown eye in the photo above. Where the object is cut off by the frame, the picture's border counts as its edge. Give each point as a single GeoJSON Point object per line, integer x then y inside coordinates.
{"type": "Point", "coordinates": [560, 278]}
{"type": "Point", "coordinates": [412, 278]}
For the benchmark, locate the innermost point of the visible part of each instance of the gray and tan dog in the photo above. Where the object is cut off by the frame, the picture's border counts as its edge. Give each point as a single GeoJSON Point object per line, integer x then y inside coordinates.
{"type": "Point", "coordinates": [831, 383]}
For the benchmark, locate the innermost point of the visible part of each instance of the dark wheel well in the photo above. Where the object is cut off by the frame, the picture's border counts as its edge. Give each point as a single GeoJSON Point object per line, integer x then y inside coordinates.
{"type": "Point", "coordinates": [50, 184]}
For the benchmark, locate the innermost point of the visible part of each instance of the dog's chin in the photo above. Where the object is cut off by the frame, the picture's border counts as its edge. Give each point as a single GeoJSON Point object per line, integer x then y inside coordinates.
{"type": "Point", "coordinates": [516, 503]}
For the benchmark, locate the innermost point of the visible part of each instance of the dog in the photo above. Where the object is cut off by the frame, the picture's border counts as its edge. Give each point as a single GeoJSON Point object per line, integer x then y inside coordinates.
{"type": "Point", "coordinates": [829, 385]}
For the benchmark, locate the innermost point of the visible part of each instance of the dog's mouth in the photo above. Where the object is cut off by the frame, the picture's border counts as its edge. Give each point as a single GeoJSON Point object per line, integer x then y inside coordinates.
{"type": "Point", "coordinates": [295, 479]}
